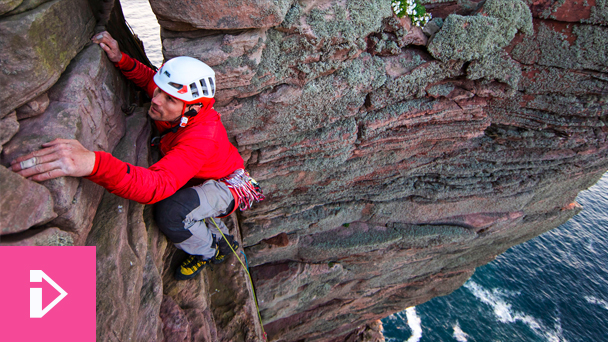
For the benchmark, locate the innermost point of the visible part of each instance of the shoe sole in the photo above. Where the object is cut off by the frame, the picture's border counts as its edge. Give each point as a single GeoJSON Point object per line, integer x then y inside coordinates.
{"type": "Point", "coordinates": [180, 276]}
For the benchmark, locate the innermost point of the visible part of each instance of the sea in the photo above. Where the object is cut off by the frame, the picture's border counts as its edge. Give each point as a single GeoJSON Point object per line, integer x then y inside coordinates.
{"type": "Point", "coordinates": [143, 23]}
{"type": "Point", "coordinates": [551, 288]}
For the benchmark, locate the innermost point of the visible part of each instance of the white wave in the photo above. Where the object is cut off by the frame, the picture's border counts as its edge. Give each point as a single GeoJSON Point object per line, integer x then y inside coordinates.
{"type": "Point", "coordinates": [505, 314]}
{"type": "Point", "coordinates": [459, 335]}
{"type": "Point", "coordinates": [597, 301]}
{"type": "Point", "coordinates": [414, 323]}
{"type": "Point", "coordinates": [556, 335]}
{"type": "Point", "coordinates": [590, 247]}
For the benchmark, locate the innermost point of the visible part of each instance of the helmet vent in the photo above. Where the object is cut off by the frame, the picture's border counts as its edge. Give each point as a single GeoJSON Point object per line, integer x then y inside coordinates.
{"type": "Point", "coordinates": [194, 90]}
{"type": "Point", "coordinates": [204, 87]}
{"type": "Point", "coordinates": [176, 85]}
{"type": "Point", "coordinates": [212, 86]}
{"type": "Point", "coordinates": [167, 73]}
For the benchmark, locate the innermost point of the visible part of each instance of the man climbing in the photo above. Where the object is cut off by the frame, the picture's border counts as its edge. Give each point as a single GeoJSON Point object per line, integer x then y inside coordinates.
{"type": "Point", "coordinates": [194, 145]}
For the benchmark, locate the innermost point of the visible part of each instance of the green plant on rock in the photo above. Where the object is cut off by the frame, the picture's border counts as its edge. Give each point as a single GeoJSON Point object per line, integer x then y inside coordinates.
{"type": "Point", "coordinates": [413, 9]}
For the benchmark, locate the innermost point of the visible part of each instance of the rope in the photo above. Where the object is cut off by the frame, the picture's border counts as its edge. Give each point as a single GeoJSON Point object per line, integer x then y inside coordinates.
{"type": "Point", "coordinates": [248, 275]}
{"type": "Point", "coordinates": [244, 256]}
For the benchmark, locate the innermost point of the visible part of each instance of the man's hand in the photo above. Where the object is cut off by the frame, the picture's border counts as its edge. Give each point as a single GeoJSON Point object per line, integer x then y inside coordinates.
{"type": "Point", "coordinates": [58, 158]}
{"type": "Point", "coordinates": [109, 45]}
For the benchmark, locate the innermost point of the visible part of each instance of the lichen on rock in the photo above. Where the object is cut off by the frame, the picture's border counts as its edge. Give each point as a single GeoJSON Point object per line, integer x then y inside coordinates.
{"type": "Point", "coordinates": [589, 50]}
{"type": "Point", "coordinates": [9, 5]}
{"type": "Point", "coordinates": [599, 13]}
{"type": "Point", "coordinates": [345, 20]}
{"type": "Point", "coordinates": [414, 83]}
{"type": "Point", "coordinates": [33, 36]}
{"type": "Point", "coordinates": [472, 37]}
{"type": "Point", "coordinates": [440, 90]}
{"type": "Point", "coordinates": [515, 14]}
{"type": "Point", "coordinates": [499, 66]}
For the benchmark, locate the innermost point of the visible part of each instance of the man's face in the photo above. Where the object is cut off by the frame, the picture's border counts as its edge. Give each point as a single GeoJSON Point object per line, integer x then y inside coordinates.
{"type": "Point", "coordinates": [164, 107]}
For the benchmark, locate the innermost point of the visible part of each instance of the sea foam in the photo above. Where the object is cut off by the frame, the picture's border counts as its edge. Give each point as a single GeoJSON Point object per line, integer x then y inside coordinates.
{"type": "Point", "coordinates": [414, 323]}
{"type": "Point", "coordinates": [459, 335]}
{"type": "Point", "coordinates": [597, 301]}
{"type": "Point", "coordinates": [505, 314]}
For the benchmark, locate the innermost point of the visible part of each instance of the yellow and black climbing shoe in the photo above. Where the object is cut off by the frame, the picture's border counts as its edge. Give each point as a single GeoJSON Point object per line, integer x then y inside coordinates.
{"type": "Point", "coordinates": [224, 249]}
{"type": "Point", "coordinates": [192, 266]}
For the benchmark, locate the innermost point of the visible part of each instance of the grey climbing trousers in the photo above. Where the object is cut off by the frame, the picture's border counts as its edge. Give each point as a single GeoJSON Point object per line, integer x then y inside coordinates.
{"type": "Point", "coordinates": [185, 217]}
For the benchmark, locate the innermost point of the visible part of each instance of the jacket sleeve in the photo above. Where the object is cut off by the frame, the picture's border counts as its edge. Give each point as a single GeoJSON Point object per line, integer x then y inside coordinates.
{"type": "Point", "coordinates": [140, 74]}
{"type": "Point", "coordinates": [158, 182]}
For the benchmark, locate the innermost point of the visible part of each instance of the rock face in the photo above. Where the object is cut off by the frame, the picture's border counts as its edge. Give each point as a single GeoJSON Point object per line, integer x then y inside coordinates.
{"type": "Point", "coordinates": [391, 172]}
{"type": "Point", "coordinates": [24, 203]}
{"type": "Point", "coordinates": [84, 105]}
{"type": "Point", "coordinates": [188, 15]}
{"type": "Point", "coordinates": [37, 47]}
{"type": "Point", "coordinates": [395, 160]}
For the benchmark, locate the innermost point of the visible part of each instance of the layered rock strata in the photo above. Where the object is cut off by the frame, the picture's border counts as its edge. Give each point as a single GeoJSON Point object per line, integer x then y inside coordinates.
{"type": "Point", "coordinates": [393, 170]}
{"type": "Point", "coordinates": [394, 159]}
{"type": "Point", "coordinates": [81, 95]}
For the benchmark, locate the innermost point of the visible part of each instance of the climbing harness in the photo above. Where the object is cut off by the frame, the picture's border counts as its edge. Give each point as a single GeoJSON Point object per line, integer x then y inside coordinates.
{"type": "Point", "coordinates": [255, 300]}
{"type": "Point", "coordinates": [245, 189]}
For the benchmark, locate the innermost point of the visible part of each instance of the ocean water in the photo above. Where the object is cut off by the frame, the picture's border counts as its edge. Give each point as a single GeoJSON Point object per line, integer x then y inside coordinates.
{"type": "Point", "coordinates": [551, 288]}
{"type": "Point", "coordinates": [142, 20]}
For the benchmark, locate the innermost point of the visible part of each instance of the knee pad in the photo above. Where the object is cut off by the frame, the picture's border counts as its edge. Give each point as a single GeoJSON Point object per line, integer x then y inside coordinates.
{"type": "Point", "coordinates": [170, 213]}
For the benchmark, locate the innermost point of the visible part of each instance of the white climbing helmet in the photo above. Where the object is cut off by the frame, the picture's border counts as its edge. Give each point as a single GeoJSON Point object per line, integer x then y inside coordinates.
{"type": "Point", "coordinates": [187, 79]}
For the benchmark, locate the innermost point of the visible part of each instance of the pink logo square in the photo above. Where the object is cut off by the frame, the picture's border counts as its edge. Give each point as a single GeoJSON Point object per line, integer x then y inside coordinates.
{"type": "Point", "coordinates": [47, 293]}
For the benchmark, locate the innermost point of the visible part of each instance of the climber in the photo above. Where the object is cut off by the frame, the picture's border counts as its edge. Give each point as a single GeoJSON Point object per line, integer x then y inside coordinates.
{"type": "Point", "coordinates": [194, 146]}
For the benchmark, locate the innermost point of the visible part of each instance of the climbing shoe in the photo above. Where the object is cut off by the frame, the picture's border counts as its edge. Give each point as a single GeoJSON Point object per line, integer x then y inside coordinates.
{"type": "Point", "coordinates": [224, 249]}
{"type": "Point", "coordinates": [192, 266]}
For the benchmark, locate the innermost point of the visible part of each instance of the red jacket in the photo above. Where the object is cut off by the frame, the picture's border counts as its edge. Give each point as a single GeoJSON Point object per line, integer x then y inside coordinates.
{"type": "Point", "coordinates": [199, 150]}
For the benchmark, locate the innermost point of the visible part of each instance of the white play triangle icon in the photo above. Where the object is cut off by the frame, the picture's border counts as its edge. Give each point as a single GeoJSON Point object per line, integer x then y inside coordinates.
{"type": "Point", "coordinates": [36, 310]}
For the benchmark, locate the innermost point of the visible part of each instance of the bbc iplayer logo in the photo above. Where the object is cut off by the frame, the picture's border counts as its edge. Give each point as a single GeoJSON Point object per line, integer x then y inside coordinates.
{"type": "Point", "coordinates": [47, 293]}
{"type": "Point", "coordinates": [36, 310]}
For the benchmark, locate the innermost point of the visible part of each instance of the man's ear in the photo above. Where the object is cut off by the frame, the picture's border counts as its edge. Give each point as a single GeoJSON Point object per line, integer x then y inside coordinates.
{"type": "Point", "coordinates": [193, 109]}
{"type": "Point", "coordinates": [191, 112]}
